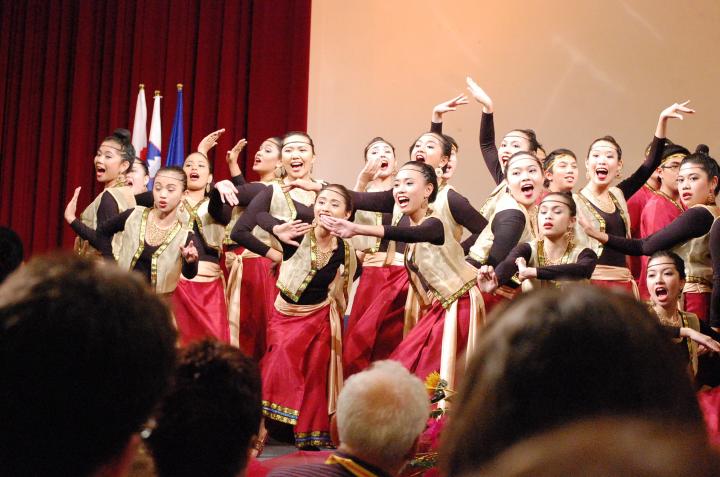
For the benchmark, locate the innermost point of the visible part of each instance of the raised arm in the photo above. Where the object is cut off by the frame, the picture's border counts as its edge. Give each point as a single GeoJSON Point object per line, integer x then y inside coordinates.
{"type": "Point", "coordinates": [466, 215]}
{"type": "Point", "coordinates": [445, 107]}
{"type": "Point", "coordinates": [633, 183]}
{"type": "Point", "coordinates": [487, 132]}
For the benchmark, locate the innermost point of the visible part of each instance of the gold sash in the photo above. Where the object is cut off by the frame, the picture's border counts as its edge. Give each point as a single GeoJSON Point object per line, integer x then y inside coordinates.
{"type": "Point", "coordinates": [212, 232]}
{"type": "Point", "coordinates": [615, 274]}
{"type": "Point", "coordinates": [448, 353]}
{"type": "Point", "coordinates": [350, 465]}
{"type": "Point", "coordinates": [335, 372]}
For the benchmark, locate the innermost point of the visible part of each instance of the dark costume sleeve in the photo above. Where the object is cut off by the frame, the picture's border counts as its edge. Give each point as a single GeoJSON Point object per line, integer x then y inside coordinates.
{"type": "Point", "coordinates": [466, 215]}
{"type": "Point", "coordinates": [242, 231]}
{"type": "Point", "coordinates": [430, 230]}
{"type": "Point", "coordinates": [694, 222]}
{"type": "Point", "coordinates": [507, 227]}
{"type": "Point", "coordinates": [507, 268]}
{"type": "Point", "coordinates": [715, 258]}
{"type": "Point", "coordinates": [582, 269]}
{"type": "Point", "coordinates": [633, 183]}
{"type": "Point", "coordinates": [489, 149]}
{"type": "Point", "coordinates": [374, 201]}
{"type": "Point", "coordinates": [115, 224]}
{"type": "Point", "coordinates": [145, 199]}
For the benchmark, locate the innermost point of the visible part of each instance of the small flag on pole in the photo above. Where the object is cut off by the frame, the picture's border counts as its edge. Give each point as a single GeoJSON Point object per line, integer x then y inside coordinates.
{"type": "Point", "coordinates": [139, 134]}
{"type": "Point", "coordinates": [176, 151]}
{"type": "Point", "coordinates": [154, 147]}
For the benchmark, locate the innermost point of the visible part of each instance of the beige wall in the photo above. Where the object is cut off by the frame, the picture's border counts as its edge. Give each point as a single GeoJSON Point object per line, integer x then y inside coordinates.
{"type": "Point", "coordinates": [571, 70]}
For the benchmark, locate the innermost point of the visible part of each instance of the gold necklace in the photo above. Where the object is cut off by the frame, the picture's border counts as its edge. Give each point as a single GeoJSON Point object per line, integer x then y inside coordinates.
{"type": "Point", "coordinates": [605, 204]}
{"type": "Point", "coordinates": [323, 256]}
{"type": "Point", "coordinates": [155, 235]}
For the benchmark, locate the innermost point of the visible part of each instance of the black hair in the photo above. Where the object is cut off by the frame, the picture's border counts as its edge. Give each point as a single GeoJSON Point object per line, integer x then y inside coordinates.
{"type": "Point", "coordinates": [706, 163]}
{"type": "Point", "coordinates": [531, 138]}
{"type": "Point", "coordinates": [550, 159]}
{"type": "Point", "coordinates": [567, 200]}
{"type": "Point", "coordinates": [144, 165]}
{"type": "Point", "coordinates": [428, 173]}
{"type": "Point", "coordinates": [86, 353]}
{"type": "Point", "coordinates": [677, 260]}
{"type": "Point", "coordinates": [609, 139]}
{"type": "Point", "coordinates": [453, 142]}
{"type": "Point", "coordinates": [521, 153]}
{"type": "Point", "coordinates": [127, 151]}
{"type": "Point", "coordinates": [298, 133]}
{"type": "Point", "coordinates": [206, 423]}
{"type": "Point", "coordinates": [12, 252]}
{"type": "Point", "coordinates": [373, 141]}
{"type": "Point", "coordinates": [175, 170]}
{"type": "Point", "coordinates": [528, 375]}
{"type": "Point", "coordinates": [209, 162]}
{"type": "Point", "coordinates": [672, 149]}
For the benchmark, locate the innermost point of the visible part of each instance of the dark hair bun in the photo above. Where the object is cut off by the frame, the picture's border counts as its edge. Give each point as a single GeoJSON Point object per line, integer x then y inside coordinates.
{"type": "Point", "coordinates": [702, 149]}
{"type": "Point", "coordinates": [123, 135]}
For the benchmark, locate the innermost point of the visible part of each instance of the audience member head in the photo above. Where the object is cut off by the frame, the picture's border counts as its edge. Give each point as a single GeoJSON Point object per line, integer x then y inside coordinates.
{"type": "Point", "coordinates": [86, 352]}
{"type": "Point", "coordinates": [209, 421]}
{"type": "Point", "coordinates": [11, 252]}
{"type": "Point", "coordinates": [554, 356]}
{"type": "Point", "coordinates": [380, 414]}
{"type": "Point", "coordinates": [607, 446]}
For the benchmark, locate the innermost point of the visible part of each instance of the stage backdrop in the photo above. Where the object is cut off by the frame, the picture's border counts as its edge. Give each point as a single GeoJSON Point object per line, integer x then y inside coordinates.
{"type": "Point", "coordinates": [573, 71]}
{"type": "Point", "coordinates": [69, 75]}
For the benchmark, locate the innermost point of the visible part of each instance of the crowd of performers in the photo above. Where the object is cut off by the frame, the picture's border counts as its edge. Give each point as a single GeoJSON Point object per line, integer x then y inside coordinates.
{"type": "Point", "coordinates": [269, 265]}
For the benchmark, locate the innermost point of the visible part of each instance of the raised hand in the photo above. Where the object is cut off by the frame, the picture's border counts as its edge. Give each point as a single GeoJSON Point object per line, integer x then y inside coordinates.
{"type": "Point", "coordinates": [209, 141]}
{"type": "Point", "coordinates": [486, 279]}
{"type": "Point", "coordinates": [369, 172]}
{"type": "Point", "coordinates": [338, 227]}
{"type": "Point", "coordinates": [228, 192]}
{"type": "Point", "coordinates": [525, 272]}
{"type": "Point", "coordinates": [674, 111]}
{"type": "Point", "coordinates": [71, 208]}
{"type": "Point", "coordinates": [447, 106]}
{"type": "Point", "coordinates": [480, 95]}
{"type": "Point", "coordinates": [189, 253]}
{"type": "Point", "coordinates": [288, 231]}
{"type": "Point", "coordinates": [232, 155]}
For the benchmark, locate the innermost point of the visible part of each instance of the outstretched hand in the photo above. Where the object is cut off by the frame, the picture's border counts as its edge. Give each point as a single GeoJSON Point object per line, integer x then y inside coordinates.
{"type": "Point", "coordinates": [447, 106]}
{"type": "Point", "coordinates": [189, 253]}
{"type": "Point", "coordinates": [71, 208]}
{"type": "Point", "coordinates": [209, 141]}
{"type": "Point", "coordinates": [228, 192]}
{"type": "Point", "coordinates": [233, 154]}
{"type": "Point", "coordinates": [676, 110]}
{"type": "Point", "coordinates": [338, 227]}
{"type": "Point", "coordinates": [486, 279]}
{"type": "Point", "coordinates": [287, 232]}
{"type": "Point", "coordinates": [480, 95]}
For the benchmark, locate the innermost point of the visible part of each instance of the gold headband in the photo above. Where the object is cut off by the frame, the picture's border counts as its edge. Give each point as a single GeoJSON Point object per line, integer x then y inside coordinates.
{"type": "Point", "coordinates": [300, 142]}
{"type": "Point", "coordinates": [678, 155]}
{"type": "Point", "coordinates": [523, 155]}
{"type": "Point", "coordinates": [521, 135]}
{"type": "Point", "coordinates": [555, 159]}
{"type": "Point", "coordinates": [669, 262]}
{"type": "Point", "coordinates": [554, 198]}
{"type": "Point", "coordinates": [169, 176]}
{"type": "Point", "coordinates": [378, 142]}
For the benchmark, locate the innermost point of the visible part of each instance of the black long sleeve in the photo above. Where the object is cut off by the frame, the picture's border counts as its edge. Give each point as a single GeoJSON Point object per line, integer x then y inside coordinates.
{"type": "Point", "coordinates": [85, 232]}
{"type": "Point", "coordinates": [145, 199]}
{"type": "Point", "coordinates": [466, 215]}
{"type": "Point", "coordinates": [115, 224]}
{"type": "Point", "coordinates": [107, 209]}
{"type": "Point", "coordinates": [374, 201]}
{"type": "Point", "coordinates": [633, 183]}
{"type": "Point", "coordinates": [507, 268]}
{"type": "Point", "coordinates": [715, 258]}
{"type": "Point", "coordinates": [436, 128]}
{"type": "Point", "coordinates": [489, 149]}
{"type": "Point", "coordinates": [507, 227]}
{"type": "Point", "coordinates": [219, 211]}
{"type": "Point", "coordinates": [694, 222]}
{"type": "Point", "coordinates": [430, 230]}
{"type": "Point", "coordinates": [582, 269]}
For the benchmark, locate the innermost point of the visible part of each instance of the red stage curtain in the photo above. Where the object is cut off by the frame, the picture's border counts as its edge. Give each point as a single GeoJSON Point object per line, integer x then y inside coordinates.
{"type": "Point", "coordinates": [69, 75]}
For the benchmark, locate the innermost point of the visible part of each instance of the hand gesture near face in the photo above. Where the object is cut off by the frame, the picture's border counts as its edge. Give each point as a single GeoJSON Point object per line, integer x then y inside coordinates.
{"type": "Point", "coordinates": [71, 208]}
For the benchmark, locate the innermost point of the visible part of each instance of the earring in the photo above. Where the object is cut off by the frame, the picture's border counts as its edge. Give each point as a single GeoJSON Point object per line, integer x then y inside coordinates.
{"type": "Point", "coordinates": [121, 180]}
{"type": "Point", "coordinates": [710, 199]}
{"type": "Point", "coordinates": [439, 172]}
{"type": "Point", "coordinates": [207, 188]}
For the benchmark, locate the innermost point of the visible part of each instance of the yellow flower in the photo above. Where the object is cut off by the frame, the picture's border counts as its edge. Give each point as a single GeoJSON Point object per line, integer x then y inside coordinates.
{"type": "Point", "coordinates": [432, 381]}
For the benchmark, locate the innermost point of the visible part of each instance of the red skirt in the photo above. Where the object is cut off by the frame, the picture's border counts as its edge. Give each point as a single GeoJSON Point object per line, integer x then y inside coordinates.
{"type": "Point", "coordinates": [200, 311]}
{"type": "Point", "coordinates": [257, 295]}
{"type": "Point", "coordinates": [698, 303]}
{"type": "Point", "coordinates": [295, 375]}
{"type": "Point", "coordinates": [421, 349]}
{"type": "Point", "coordinates": [376, 322]}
